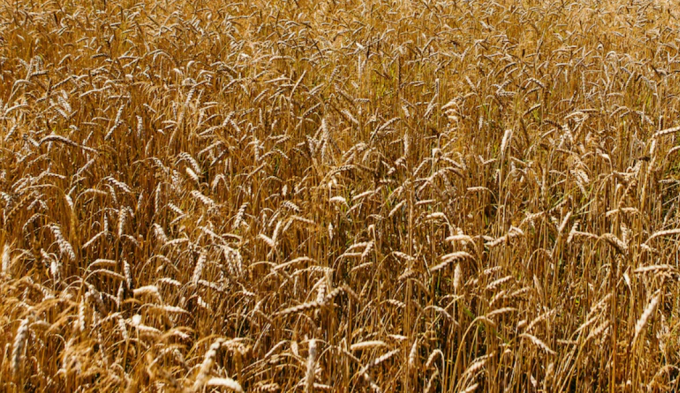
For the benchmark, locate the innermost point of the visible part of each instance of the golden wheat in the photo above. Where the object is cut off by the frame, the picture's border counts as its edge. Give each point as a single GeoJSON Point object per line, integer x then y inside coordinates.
{"type": "Point", "coordinates": [439, 195]}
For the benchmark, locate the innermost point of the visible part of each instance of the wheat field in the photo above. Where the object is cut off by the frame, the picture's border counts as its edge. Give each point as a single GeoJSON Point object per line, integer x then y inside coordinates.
{"type": "Point", "coordinates": [339, 195]}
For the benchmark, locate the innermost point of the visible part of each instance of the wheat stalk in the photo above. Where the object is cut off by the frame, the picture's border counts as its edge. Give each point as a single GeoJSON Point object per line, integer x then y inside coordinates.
{"type": "Point", "coordinates": [646, 315]}
{"type": "Point", "coordinates": [18, 347]}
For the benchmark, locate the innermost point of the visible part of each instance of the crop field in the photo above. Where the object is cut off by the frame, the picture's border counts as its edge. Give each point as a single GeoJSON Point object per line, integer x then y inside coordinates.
{"type": "Point", "coordinates": [339, 195]}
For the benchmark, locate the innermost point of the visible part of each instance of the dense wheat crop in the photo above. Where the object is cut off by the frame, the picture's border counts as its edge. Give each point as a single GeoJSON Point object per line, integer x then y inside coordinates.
{"type": "Point", "coordinates": [374, 195]}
